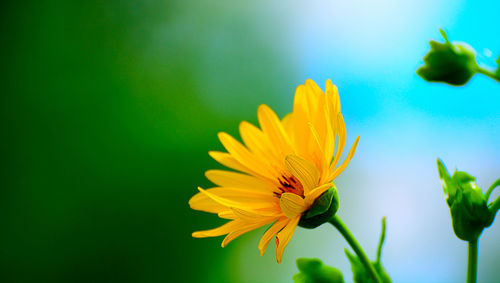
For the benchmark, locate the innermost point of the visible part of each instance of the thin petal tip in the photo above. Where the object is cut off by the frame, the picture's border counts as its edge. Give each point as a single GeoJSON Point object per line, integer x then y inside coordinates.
{"type": "Point", "coordinates": [328, 84]}
{"type": "Point", "coordinates": [262, 107]}
{"type": "Point", "coordinates": [213, 153]}
{"type": "Point", "coordinates": [222, 135]}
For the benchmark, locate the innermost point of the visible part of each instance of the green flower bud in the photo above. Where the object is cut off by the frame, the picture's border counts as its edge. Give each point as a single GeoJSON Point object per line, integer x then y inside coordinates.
{"type": "Point", "coordinates": [312, 270]}
{"type": "Point", "coordinates": [322, 210]}
{"type": "Point", "coordinates": [468, 207]}
{"type": "Point", "coordinates": [454, 64]}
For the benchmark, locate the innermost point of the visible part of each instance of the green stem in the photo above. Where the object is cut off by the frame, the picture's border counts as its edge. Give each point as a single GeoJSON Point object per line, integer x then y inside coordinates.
{"type": "Point", "coordinates": [472, 261]}
{"type": "Point", "coordinates": [489, 73]}
{"type": "Point", "coordinates": [337, 223]}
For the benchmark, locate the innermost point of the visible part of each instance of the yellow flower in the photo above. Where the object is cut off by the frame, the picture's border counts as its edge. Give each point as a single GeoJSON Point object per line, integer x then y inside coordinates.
{"type": "Point", "coordinates": [283, 168]}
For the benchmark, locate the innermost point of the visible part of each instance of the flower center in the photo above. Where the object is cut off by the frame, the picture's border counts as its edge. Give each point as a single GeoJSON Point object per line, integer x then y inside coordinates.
{"type": "Point", "coordinates": [290, 185]}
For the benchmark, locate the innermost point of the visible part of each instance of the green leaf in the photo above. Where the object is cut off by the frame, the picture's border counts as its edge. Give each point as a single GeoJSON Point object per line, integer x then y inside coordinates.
{"type": "Point", "coordinates": [454, 64]}
{"type": "Point", "coordinates": [312, 270]}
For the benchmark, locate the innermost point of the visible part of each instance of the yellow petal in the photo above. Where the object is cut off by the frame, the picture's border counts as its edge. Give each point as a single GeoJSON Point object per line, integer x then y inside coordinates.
{"type": "Point", "coordinates": [301, 137]}
{"type": "Point", "coordinates": [292, 205]}
{"type": "Point", "coordinates": [251, 161]}
{"type": "Point", "coordinates": [313, 92]}
{"type": "Point", "coordinates": [314, 87]}
{"type": "Point", "coordinates": [220, 199]}
{"type": "Point", "coordinates": [287, 123]}
{"type": "Point", "coordinates": [341, 142]}
{"type": "Point", "coordinates": [317, 153]}
{"type": "Point", "coordinates": [237, 180]}
{"type": "Point", "coordinates": [254, 216]}
{"type": "Point", "coordinates": [319, 118]}
{"type": "Point", "coordinates": [332, 110]}
{"type": "Point", "coordinates": [333, 99]}
{"type": "Point", "coordinates": [346, 161]}
{"type": "Point", "coordinates": [301, 118]}
{"type": "Point", "coordinates": [273, 128]}
{"type": "Point", "coordinates": [269, 234]}
{"type": "Point", "coordinates": [258, 142]}
{"type": "Point", "coordinates": [227, 214]}
{"type": "Point", "coordinates": [300, 100]}
{"type": "Point", "coordinates": [314, 194]}
{"type": "Point", "coordinates": [202, 202]}
{"type": "Point", "coordinates": [248, 227]}
{"type": "Point", "coordinates": [284, 236]}
{"type": "Point", "coordinates": [329, 147]}
{"type": "Point", "coordinates": [227, 160]}
{"type": "Point", "coordinates": [222, 230]}
{"type": "Point", "coordinates": [253, 138]}
{"type": "Point", "coordinates": [303, 170]}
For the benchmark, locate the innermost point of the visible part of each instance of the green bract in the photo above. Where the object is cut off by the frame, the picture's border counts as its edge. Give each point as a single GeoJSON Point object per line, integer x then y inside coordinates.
{"type": "Point", "coordinates": [453, 64]}
{"type": "Point", "coordinates": [468, 207]}
{"type": "Point", "coordinates": [312, 270]}
{"type": "Point", "coordinates": [322, 210]}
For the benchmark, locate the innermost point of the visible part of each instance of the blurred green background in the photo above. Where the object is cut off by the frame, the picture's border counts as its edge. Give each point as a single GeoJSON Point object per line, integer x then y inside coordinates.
{"type": "Point", "coordinates": [105, 135]}
{"type": "Point", "coordinates": [108, 109]}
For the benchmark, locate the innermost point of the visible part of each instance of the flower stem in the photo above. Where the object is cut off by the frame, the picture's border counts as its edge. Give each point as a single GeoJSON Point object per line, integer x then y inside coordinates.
{"type": "Point", "coordinates": [488, 73]}
{"type": "Point", "coordinates": [337, 223]}
{"type": "Point", "coordinates": [472, 261]}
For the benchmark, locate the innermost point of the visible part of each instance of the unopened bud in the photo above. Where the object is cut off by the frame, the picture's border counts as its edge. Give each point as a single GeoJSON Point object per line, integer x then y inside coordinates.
{"type": "Point", "coordinates": [468, 208]}
{"type": "Point", "coordinates": [451, 63]}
